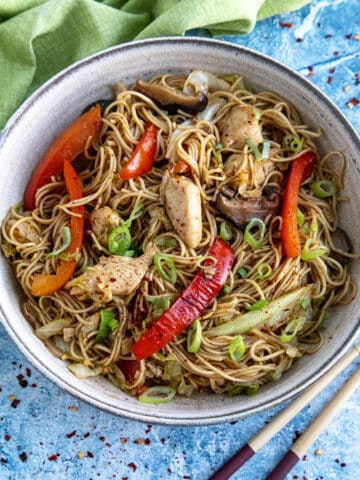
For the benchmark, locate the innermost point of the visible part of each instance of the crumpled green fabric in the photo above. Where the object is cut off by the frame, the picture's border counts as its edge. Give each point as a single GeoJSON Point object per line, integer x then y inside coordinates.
{"type": "Point", "coordinates": [38, 38]}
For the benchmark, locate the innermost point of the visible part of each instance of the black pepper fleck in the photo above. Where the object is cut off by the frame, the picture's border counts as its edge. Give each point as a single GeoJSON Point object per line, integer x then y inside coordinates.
{"type": "Point", "coordinates": [23, 456]}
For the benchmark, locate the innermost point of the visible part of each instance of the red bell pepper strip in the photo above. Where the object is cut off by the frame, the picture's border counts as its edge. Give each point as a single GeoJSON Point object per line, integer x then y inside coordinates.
{"type": "Point", "coordinates": [48, 284]}
{"type": "Point", "coordinates": [182, 167]}
{"type": "Point", "coordinates": [301, 168]}
{"type": "Point", "coordinates": [142, 158]}
{"type": "Point", "coordinates": [190, 305]}
{"type": "Point", "coordinates": [67, 146]}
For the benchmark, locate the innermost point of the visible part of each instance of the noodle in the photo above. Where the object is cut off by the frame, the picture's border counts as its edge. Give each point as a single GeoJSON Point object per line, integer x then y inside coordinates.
{"type": "Point", "coordinates": [28, 238]}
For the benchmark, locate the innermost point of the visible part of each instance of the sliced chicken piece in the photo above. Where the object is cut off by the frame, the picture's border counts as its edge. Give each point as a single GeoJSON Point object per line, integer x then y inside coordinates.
{"type": "Point", "coordinates": [236, 166]}
{"type": "Point", "coordinates": [113, 275]}
{"type": "Point", "coordinates": [24, 231]}
{"type": "Point", "coordinates": [238, 125]}
{"type": "Point", "coordinates": [103, 220]}
{"type": "Point", "coordinates": [182, 201]}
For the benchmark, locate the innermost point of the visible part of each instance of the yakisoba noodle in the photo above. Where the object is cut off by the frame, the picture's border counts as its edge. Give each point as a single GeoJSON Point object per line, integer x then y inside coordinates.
{"type": "Point", "coordinates": [69, 324]}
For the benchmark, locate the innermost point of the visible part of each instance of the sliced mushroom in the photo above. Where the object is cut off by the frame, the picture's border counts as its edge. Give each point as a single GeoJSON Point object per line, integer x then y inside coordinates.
{"type": "Point", "coordinates": [182, 201]}
{"type": "Point", "coordinates": [238, 125]}
{"type": "Point", "coordinates": [171, 99]}
{"type": "Point", "coordinates": [242, 210]}
{"type": "Point", "coordinates": [341, 242]}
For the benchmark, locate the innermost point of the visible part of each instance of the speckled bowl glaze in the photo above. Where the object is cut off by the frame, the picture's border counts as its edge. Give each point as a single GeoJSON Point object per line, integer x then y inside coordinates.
{"type": "Point", "coordinates": [33, 127]}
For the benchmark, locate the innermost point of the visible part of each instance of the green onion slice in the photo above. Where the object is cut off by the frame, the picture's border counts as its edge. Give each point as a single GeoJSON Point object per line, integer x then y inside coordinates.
{"type": "Point", "coordinates": [248, 389]}
{"type": "Point", "coordinates": [304, 303]}
{"type": "Point", "coordinates": [170, 274]}
{"type": "Point", "coordinates": [323, 188]}
{"type": "Point", "coordinates": [66, 243]}
{"type": "Point", "coordinates": [243, 272]}
{"type": "Point", "coordinates": [293, 143]}
{"type": "Point", "coordinates": [227, 288]}
{"type": "Point", "coordinates": [136, 212]}
{"type": "Point", "coordinates": [161, 301]}
{"type": "Point", "coordinates": [323, 319]}
{"type": "Point", "coordinates": [219, 146]}
{"type": "Point", "coordinates": [225, 232]}
{"type": "Point", "coordinates": [300, 217]}
{"type": "Point", "coordinates": [264, 155]}
{"type": "Point", "coordinates": [158, 394]}
{"type": "Point", "coordinates": [194, 337]}
{"type": "Point", "coordinates": [166, 242]}
{"type": "Point", "coordinates": [119, 240]}
{"type": "Point", "coordinates": [237, 348]}
{"type": "Point", "coordinates": [264, 271]}
{"type": "Point", "coordinates": [108, 323]}
{"type": "Point", "coordinates": [289, 332]}
{"type": "Point", "coordinates": [257, 305]}
{"type": "Point", "coordinates": [308, 251]}
{"type": "Point", "coordinates": [254, 233]}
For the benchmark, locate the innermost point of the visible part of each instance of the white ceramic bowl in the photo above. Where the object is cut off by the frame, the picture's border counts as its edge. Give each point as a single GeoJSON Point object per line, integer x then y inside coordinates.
{"type": "Point", "coordinates": [33, 127]}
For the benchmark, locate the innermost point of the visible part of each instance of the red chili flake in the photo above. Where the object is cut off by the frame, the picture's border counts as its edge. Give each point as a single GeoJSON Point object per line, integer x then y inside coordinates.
{"type": "Point", "coordinates": [133, 466]}
{"type": "Point", "coordinates": [336, 53]}
{"type": "Point", "coordinates": [15, 403]}
{"type": "Point", "coordinates": [330, 79]}
{"type": "Point", "coordinates": [90, 454]}
{"type": "Point", "coordinates": [23, 456]}
{"type": "Point", "coordinates": [54, 457]}
{"type": "Point", "coordinates": [337, 460]}
{"type": "Point", "coordinates": [70, 435]}
{"type": "Point", "coordinates": [162, 441]}
{"type": "Point", "coordinates": [349, 35]}
{"type": "Point", "coordinates": [352, 102]}
{"type": "Point", "coordinates": [332, 70]}
{"type": "Point", "coordinates": [285, 24]}
{"type": "Point", "coordinates": [112, 279]}
{"type": "Point", "coordinates": [169, 470]}
{"type": "Point", "coordinates": [7, 437]}
{"type": "Point", "coordinates": [299, 40]}
{"type": "Point", "coordinates": [147, 441]}
{"type": "Point", "coordinates": [123, 440]}
{"type": "Point", "coordinates": [28, 372]}
{"type": "Point", "coordinates": [186, 477]}
{"type": "Point", "coordinates": [304, 458]}
{"type": "Point", "coordinates": [22, 381]}
{"type": "Point", "coordinates": [343, 464]}
{"type": "Point", "coordinates": [33, 385]}
{"type": "Point", "coordinates": [125, 478]}
{"type": "Point", "coordinates": [102, 439]}
{"type": "Point", "coordinates": [86, 434]}
{"type": "Point", "coordinates": [328, 35]}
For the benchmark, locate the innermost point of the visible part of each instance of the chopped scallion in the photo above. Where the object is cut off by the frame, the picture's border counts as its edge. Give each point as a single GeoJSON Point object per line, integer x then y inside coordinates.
{"type": "Point", "coordinates": [225, 232]}
{"type": "Point", "coordinates": [161, 301]}
{"type": "Point", "coordinates": [323, 188]}
{"type": "Point", "coordinates": [264, 155]}
{"type": "Point", "coordinates": [289, 332]}
{"type": "Point", "coordinates": [254, 233]}
{"type": "Point", "coordinates": [219, 146]}
{"type": "Point", "coordinates": [304, 303]}
{"type": "Point", "coordinates": [170, 274]}
{"type": "Point", "coordinates": [293, 143]}
{"type": "Point", "coordinates": [119, 240]}
{"type": "Point", "coordinates": [194, 337]}
{"type": "Point", "coordinates": [166, 242]}
{"type": "Point", "coordinates": [243, 272]}
{"type": "Point", "coordinates": [66, 243]}
{"type": "Point", "coordinates": [157, 394]}
{"type": "Point", "coordinates": [257, 305]}
{"type": "Point", "coordinates": [227, 288]}
{"type": "Point", "coordinates": [237, 348]}
{"type": "Point", "coordinates": [308, 251]}
{"type": "Point", "coordinates": [108, 324]}
{"type": "Point", "coordinates": [300, 217]}
{"type": "Point", "coordinates": [264, 271]}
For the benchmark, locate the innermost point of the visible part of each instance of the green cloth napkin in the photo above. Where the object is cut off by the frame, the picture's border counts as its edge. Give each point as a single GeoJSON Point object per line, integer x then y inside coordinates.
{"type": "Point", "coordinates": [38, 38]}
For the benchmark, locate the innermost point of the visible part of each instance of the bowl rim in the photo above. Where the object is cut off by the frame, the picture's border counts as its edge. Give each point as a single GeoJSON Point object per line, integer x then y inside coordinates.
{"type": "Point", "coordinates": [163, 417]}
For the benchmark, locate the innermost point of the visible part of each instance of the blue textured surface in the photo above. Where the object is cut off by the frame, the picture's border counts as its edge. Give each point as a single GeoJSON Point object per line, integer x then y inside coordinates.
{"type": "Point", "coordinates": [51, 435]}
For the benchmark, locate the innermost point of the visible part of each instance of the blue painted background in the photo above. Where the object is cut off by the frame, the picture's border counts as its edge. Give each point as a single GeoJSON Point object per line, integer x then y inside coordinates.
{"type": "Point", "coordinates": [46, 434]}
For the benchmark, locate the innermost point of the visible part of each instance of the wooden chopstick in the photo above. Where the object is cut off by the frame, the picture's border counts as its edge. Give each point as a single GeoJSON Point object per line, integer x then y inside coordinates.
{"type": "Point", "coordinates": [301, 445]}
{"type": "Point", "coordinates": [257, 442]}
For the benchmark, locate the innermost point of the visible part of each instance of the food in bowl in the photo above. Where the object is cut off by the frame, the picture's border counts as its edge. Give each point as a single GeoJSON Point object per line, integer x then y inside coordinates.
{"type": "Point", "coordinates": [182, 237]}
